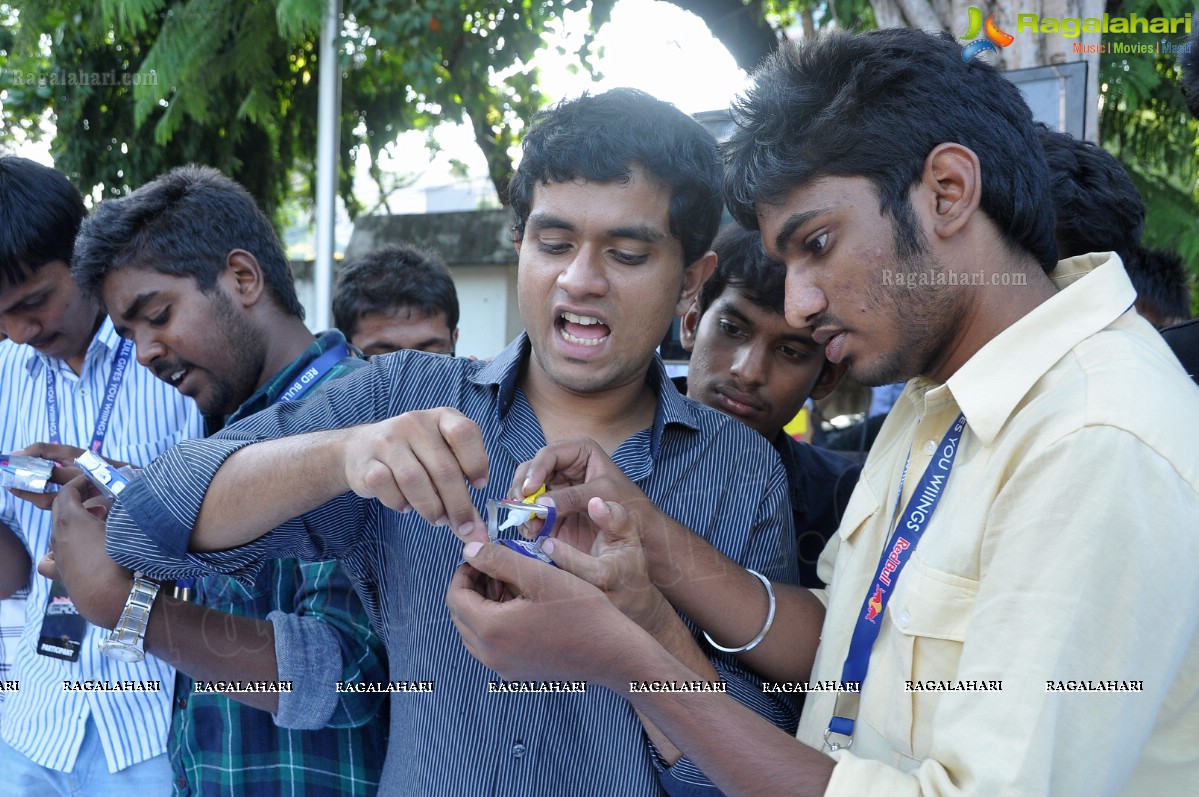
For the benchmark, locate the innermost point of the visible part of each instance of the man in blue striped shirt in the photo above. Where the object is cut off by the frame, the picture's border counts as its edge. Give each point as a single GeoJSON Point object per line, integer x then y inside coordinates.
{"type": "Point", "coordinates": [191, 270]}
{"type": "Point", "coordinates": [78, 722]}
{"type": "Point", "coordinates": [617, 202]}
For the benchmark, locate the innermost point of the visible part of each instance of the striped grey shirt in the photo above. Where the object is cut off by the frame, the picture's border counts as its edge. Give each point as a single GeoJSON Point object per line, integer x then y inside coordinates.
{"type": "Point", "coordinates": [708, 471]}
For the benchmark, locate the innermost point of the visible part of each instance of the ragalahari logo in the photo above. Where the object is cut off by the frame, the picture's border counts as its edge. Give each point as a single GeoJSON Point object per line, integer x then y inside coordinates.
{"type": "Point", "coordinates": [993, 39]}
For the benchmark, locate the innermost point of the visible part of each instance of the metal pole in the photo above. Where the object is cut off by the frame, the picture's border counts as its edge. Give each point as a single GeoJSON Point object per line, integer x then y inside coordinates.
{"type": "Point", "coordinates": [327, 144]}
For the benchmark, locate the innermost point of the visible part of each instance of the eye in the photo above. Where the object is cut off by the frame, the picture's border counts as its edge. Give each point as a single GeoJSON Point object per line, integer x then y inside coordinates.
{"type": "Point", "coordinates": [33, 302]}
{"type": "Point", "coordinates": [817, 244]}
{"type": "Point", "coordinates": [793, 353]}
{"type": "Point", "coordinates": [553, 247]}
{"type": "Point", "coordinates": [731, 328]}
{"type": "Point", "coordinates": [161, 318]}
{"type": "Point", "coordinates": [628, 258]}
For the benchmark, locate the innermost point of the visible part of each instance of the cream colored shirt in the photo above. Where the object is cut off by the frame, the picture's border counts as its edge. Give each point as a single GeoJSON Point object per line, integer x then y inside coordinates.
{"type": "Point", "coordinates": [1065, 550]}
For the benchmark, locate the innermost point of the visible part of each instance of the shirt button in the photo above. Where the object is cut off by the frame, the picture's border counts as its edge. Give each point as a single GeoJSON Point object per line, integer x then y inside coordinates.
{"type": "Point", "coordinates": [903, 619]}
{"type": "Point", "coordinates": [183, 702]}
{"type": "Point", "coordinates": [930, 447]}
{"type": "Point", "coordinates": [181, 782]}
{"type": "Point", "coordinates": [518, 750]}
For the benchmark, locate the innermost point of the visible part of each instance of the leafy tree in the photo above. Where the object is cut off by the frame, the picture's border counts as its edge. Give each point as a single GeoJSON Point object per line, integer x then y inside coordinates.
{"type": "Point", "coordinates": [1145, 122]}
{"type": "Point", "coordinates": [235, 85]}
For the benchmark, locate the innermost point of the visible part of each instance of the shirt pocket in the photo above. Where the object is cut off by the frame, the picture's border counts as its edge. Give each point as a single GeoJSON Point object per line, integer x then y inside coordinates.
{"type": "Point", "coordinates": [921, 642]}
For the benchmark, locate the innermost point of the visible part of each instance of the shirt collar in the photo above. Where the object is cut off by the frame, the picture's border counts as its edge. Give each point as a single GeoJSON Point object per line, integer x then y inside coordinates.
{"type": "Point", "coordinates": [103, 345]}
{"type": "Point", "coordinates": [266, 395]}
{"type": "Point", "coordinates": [505, 368]}
{"type": "Point", "coordinates": [990, 385]}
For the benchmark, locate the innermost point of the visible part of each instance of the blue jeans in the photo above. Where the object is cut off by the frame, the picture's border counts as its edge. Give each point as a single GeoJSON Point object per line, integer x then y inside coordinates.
{"type": "Point", "coordinates": [20, 777]}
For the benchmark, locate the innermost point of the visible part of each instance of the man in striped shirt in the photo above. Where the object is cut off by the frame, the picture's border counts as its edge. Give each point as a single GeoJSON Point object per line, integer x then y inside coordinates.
{"type": "Point", "coordinates": [192, 271]}
{"type": "Point", "coordinates": [70, 726]}
{"type": "Point", "coordinates": [617, 202]}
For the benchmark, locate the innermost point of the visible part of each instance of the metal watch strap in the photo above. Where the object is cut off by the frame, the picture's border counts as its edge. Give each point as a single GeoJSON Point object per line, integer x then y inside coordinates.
{"type": "Point", "coordinates": [125, 641]}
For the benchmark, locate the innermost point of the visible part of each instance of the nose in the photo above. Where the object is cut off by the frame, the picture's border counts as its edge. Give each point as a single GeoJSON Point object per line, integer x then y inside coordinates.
{"type": "Point", "coordinates": [803, 300]}
{"type": "Point", "coordinates": [750, 365]}
{"type": "Point", "coordinates": [20, 330]}
{"type": "Point", "coordinates": [147, 347]}
{"type": "Point", "coordinates": [585, 275]}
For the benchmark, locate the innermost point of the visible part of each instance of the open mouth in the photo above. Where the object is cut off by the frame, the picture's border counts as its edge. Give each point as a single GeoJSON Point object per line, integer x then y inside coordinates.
{"type": "Point", "coordinates": [582, 330]}
{"type": "Point", "coordinates": [172, 375]}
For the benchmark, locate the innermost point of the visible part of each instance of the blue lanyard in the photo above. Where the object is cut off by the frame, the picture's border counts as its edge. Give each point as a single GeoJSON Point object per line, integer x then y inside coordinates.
{"type": "Point", "coordinates": [313, 373]}
{"type": "Point", "coordinates": [904, 539]}
{"type": "Point", "coordinates": [120, 364]}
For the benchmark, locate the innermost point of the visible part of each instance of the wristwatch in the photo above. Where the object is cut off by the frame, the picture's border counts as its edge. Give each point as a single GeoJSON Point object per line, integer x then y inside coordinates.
{"type": "Point", "coordinates": [126, 640]}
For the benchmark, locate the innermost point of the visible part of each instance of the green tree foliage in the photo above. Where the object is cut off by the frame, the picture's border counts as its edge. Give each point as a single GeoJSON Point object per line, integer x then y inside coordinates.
{"type": "Point", "coordinates": [235, 85]}
{"type": "Point", "coordinates": [1145, 122]}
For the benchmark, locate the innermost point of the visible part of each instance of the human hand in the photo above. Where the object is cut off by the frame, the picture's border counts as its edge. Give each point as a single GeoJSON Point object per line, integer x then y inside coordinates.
{"type": "Point", "coordinates": [64, 470]}
{"type": "Point", "coordinates": [549, 623]}
{"type": "Point", "coordinates": [616, 565]}
{"type": "Point", "coordinates": [421, 461]}
{"type": "Point", "coordinates": [97, 584]}
{"type": "Point", "coordinates": [575, 471]}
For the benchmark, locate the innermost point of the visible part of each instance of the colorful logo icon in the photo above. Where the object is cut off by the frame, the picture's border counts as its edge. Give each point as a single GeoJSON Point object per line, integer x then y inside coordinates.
{"type": "Point", "coordinates": [874, 606]}
{"type": "Point", "coordinates": [993, 39]}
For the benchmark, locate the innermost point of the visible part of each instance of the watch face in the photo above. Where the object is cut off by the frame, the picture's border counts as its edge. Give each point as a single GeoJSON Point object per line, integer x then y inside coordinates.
{"type": "Point", "coordinates": [121, 651]}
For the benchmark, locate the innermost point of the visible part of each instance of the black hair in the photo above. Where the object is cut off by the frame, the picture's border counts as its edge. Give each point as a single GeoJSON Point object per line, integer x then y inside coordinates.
{"type": "Point", "coordinates": [389, 279]}
{"type": "Point", "coordinates": [601, 138]}
{"type": "Point", "coordinates": [1189, 62]}
{"type": "Point", "coordinates": [184, 223]}
{"type": "Point", "coordinates": [742, 264]}
{"type": "Point", "coordinates": [875, 105]}
{"type": "Point", "coordinates": [1096, 203]}
{"type": "Point", "coordinates": [40, 214]}
{"type": "Point", "coordinates": [1161, 281]}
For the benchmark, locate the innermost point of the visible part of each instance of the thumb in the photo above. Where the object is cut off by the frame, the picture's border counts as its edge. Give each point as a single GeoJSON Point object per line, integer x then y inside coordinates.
{"type": "Point", "coordinates": [616, 531]}
{"type": "Point", "coordinates": [616, 525]}
{"type": "Point", "coordinates": [502, 564]}
{"type": "Point", "coordinates": [48, 567]}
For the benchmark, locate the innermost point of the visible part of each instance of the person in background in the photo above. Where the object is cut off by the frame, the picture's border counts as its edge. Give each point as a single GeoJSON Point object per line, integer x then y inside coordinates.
{"type": "Point", "coordinates": [397, 297]}
{"type": "Point", "coordinates": [1163, 295]}
{"type": "Point", "coordinates": [1096, 204]}
{"type": "Point", "coordinates": [192, 272]}
{"type": "Point", "coordinates": [1098, 209]}
{"type": "Point", "coordinates": [68, 380]}
{"type": "Point", "coordinates": [748, 362]}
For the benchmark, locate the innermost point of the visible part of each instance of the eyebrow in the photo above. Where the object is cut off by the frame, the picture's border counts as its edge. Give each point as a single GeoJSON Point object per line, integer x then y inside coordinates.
{"type": "Point", "coordinates": [637, 232]}
{"type": "Point", "coordinates": [393, 346]}
{"type": "Point", "coordinates": [792, 224]}
{"type": "Point", "coordinates": [548, 221]}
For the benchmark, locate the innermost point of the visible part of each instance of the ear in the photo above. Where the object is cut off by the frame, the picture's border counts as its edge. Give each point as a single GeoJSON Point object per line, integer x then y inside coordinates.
{"type": "Point", "coordinates": [830, 376]}
{"type": "Point", "coordinates": [693, 277]}
{"type": "Point", "coordinates": [688, 325]}
{"type": "Point", "coordinates": [953, 177]}
{"type": "Point", "coordinates": [245, 277]}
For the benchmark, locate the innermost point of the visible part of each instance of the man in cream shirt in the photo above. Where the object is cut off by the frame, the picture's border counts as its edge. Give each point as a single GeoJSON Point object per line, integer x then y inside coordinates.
{"type": "Point", "coordinates": [1013, 584]}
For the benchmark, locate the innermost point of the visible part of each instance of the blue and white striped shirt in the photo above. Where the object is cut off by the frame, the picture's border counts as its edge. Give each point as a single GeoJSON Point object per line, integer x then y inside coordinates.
{"type": "Point", "coordinates": [42, 719]}
{"type": "Point", "coordinates": [712, 473]}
